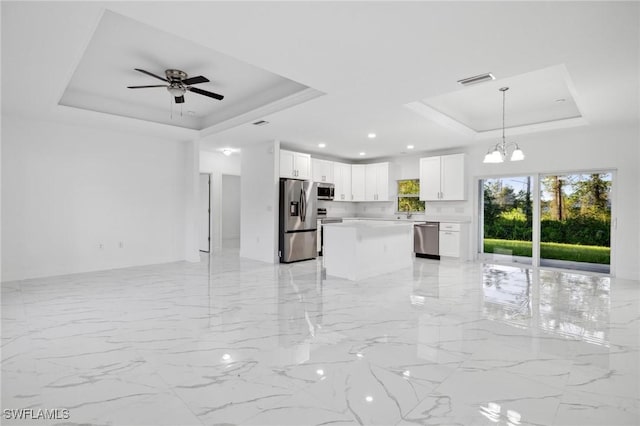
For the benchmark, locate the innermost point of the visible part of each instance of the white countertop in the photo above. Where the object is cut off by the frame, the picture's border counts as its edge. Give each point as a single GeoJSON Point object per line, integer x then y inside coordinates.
{"type": "Point", "coordinates": [370, 223]}
{"type": "Point", "coordinates": [450, 219]}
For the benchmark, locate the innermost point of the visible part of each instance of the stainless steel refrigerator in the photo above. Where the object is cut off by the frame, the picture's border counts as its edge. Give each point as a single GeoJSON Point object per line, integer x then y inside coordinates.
{"type": "Point", "coordinates": [298, 214]}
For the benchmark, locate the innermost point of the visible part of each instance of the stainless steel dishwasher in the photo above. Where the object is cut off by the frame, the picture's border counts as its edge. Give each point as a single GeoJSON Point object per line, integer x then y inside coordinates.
{"type": "Point", "coordinates": [426, 240]}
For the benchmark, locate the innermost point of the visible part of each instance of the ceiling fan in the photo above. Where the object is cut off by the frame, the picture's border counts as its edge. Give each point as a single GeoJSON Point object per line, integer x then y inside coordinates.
{"type": "Point", "coordinates": [179, 83]}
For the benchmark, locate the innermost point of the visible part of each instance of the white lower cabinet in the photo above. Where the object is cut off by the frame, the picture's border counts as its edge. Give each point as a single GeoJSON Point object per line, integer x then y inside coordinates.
{"type": "Point", "coordinates": [449, 239]}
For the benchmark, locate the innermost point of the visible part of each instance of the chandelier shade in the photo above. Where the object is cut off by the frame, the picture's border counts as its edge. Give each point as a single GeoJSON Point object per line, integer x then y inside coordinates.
{"type": "Point", "coordinates": [500, 151]}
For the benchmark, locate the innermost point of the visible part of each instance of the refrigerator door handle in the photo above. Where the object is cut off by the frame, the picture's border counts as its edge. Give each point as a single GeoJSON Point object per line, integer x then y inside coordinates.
{"type": "Point", "coordinates": [303, 207]}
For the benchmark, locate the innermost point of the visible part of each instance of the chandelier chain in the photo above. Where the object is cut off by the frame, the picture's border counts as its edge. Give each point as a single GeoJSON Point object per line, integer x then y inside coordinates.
{"type": "Point", "coordinates": [504, 96]}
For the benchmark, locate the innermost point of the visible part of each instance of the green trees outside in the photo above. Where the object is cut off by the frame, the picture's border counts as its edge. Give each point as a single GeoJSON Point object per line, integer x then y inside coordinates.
{"type": "Point", "coordinates": [408, 196]}
{"type": "Point", "coordinates": [575, 211]}
{"type": "Point", "coordinates": [507, 213]}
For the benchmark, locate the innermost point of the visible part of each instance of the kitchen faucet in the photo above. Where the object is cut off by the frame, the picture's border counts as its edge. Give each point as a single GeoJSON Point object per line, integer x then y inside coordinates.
{"type": "Point", "coordinates": [408, 214]}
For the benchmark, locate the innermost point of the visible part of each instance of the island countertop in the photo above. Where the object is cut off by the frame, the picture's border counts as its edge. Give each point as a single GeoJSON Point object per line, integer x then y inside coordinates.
{"type": "Point", "coordinates": [371, 224]}
{"type": "Point", "coordinates": [415, 219]}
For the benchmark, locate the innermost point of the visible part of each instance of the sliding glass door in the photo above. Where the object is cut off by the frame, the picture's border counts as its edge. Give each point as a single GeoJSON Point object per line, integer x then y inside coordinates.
{"type": "Point", "coordinates": [507, 217]}
{"type": "Point", "coordinates": [575, 221]}
{"type": "Point", "coordinates": [554, 220]}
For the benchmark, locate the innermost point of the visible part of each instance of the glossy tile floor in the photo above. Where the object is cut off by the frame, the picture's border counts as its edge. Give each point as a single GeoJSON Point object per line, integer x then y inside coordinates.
{"type": "Point", "coordinates": [232, 341]}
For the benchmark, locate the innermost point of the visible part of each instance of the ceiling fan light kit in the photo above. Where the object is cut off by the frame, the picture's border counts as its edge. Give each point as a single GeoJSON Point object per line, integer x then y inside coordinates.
{"type": "Point", "coordinates": [499, 152]}
{"type": "Point", "coordinates": [178, 84]}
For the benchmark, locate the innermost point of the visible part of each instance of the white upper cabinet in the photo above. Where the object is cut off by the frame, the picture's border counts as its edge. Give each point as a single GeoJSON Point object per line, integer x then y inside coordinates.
{"type": "Point", "coordinates": [358, 182]}
{"type": "Point", "coordinates": [377, 182]}
{"type": "Point", "coordinates": [430, 178]}
{"type": "Point", "coordinates": [295, 165]}
{"type": "Point", "coordinates": [442, 178]}
{"type": "Point", "coordinates": [342, 181]}
{"type": "Point", "coordinates": [322, 170]}
{"type": "Point", "coordinates": [452, 181]}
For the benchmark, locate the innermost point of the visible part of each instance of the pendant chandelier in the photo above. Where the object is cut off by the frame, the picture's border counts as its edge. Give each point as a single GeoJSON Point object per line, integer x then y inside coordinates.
{"type": "Point", "coordinates": [499, 152]}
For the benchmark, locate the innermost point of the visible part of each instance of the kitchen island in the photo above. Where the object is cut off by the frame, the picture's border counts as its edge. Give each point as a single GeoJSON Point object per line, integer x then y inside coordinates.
{"type": "Point", "coordinates": [359, 249]}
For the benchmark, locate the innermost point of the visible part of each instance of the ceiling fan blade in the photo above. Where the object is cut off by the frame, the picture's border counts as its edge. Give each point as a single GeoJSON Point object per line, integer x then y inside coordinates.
{"type": "Point", "coordinates": [195, 80]}
{"type": "Point", "coordinates": [205, 93]}
{"type": "Point", "coordinates": [179, 99]}
{"type": "Point", "coordinates": [151, 74]}
{"type": "Point", "coordinates": [144, 87]}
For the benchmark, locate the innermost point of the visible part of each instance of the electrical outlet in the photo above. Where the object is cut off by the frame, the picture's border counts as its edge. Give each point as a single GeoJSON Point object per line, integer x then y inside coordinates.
{"type": "Point", "coordinates": [100, 246]}
{"type": "Point", "coordinates": [121, 244]}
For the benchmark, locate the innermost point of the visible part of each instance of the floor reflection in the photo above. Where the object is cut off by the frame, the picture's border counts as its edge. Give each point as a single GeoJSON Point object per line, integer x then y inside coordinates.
{"type": "Point", "coordinates": [574, 306]}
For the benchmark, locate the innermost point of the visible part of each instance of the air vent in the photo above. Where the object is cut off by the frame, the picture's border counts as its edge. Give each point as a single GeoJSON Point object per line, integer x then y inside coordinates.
{"type": "Point", "coordinates": [477, 79]}
{"type": "Point", "coordinates": [260, 123]}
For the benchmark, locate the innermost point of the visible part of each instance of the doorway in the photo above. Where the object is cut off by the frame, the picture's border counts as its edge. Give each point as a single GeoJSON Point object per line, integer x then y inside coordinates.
{"type": "Point", "coordinates": [204, 213]}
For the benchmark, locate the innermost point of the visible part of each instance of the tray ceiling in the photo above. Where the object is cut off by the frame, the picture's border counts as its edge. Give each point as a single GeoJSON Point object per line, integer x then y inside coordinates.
{"type": "Point", "coordinates": [120, 44]}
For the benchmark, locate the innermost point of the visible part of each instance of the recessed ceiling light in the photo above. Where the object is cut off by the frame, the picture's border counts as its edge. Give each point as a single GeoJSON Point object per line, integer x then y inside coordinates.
{"type": "Point", "coordinates": [371, 135]}
{"type": "Point", "coordinates": [227, 151]}
{"type": "Point", "coordinates": [363, 153]}
{"type": "Point", "coordinates": [410, 146]}
{"type": "Point", "coordinates": [368, 398]}
{"type": "Point", "coordinates": [322, 145]}
{"type": "Point", "coordinates": [561, 100]}
{"type": "Point", "coordinates": [191, 113]}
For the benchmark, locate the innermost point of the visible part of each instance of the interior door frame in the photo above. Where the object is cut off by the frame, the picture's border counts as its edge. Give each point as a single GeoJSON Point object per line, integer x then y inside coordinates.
{"type": "Point", "coordinates": [208, 213]}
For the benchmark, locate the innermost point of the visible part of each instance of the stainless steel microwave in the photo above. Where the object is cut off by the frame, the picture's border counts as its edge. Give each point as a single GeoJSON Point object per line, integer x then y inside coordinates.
{"type": "Point", "coordinates": [325, 191]}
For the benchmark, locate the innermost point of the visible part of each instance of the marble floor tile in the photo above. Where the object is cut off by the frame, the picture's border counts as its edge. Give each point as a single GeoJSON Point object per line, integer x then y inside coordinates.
{"type": "Point", "coordinates": [235, 341]}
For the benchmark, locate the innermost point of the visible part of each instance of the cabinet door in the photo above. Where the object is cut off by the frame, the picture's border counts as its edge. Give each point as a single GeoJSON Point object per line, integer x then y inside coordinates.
{"type": "Point", "coordinates": [329, 173]}
{"type": "Point", "coordinates": [316, 170]}
{"type": "Point", "coordinates": [346, 183]}
{"type": "Point", "coordinates": [371, 182]}
{"type": "Point", "coordinates": [342, 181]}
{"type": "Point", "coordinates": [287, 164]}
{"type": "Point", "coordinates": [430, 178]}
{"type": "Point", "coordinates": [358, 182]}
{"type": "Point", "coordinates": [322, 170]}
{"type": "Point", "coordinates": [302, 166]}
{"type": "Point", "coordinates": [450, 243]}
{"type": "Point", "coordinates": [452, 177]}
{"type": "Point", "coordinates": [382, 182]}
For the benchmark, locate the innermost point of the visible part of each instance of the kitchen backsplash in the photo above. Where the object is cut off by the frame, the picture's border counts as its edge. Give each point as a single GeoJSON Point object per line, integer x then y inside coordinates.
{"type": "Point", "coordinates": [388, 209]}
{"type": "Point", "coordinates": [337, 208]}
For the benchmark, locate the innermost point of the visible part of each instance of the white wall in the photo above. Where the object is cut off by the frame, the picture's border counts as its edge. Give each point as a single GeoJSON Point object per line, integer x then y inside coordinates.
{"type": "Point", "coordinates": [259, 200]}
{"type": "Point", "coordinates": [217, 164]}
{"type": "Point", "coordinates": [68, 189]}
{"type": "Point", "coordinates": [230, 207]}
{"type": "Point", "coordinates": [191, 200]}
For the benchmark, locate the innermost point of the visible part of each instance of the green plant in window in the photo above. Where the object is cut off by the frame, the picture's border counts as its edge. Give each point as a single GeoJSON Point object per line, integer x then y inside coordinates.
{"type": "Point", "coordinates": [411, 187]}
{"type": "Point", "coordinates": [408, 196]}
